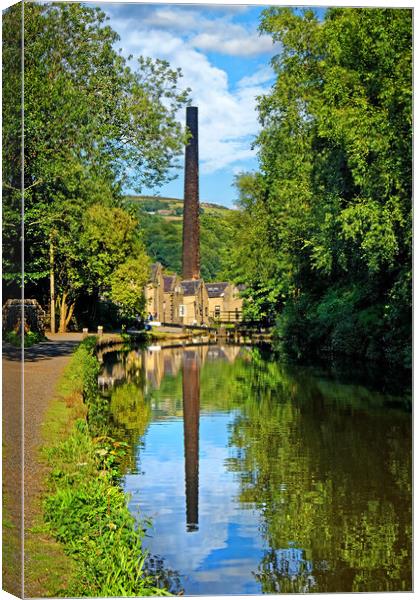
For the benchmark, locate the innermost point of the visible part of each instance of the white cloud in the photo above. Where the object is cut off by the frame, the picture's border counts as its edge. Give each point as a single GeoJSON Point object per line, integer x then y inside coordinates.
{"type": "Point", "coordinates": [176, 20]}
{"type": "Point", "coordinates": [227, 114]}
{"type": "Point", "coordinates": [261, 76]}
{"type": "Point", "coordinates": [218, 505]}
{"type": "Point", "coordinates": [234, 43]}
{"type": "Point", "coordinates": [215, 35]}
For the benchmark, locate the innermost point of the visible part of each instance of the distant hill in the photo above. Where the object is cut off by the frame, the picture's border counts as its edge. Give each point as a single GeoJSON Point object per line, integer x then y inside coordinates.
{"type": "Point", "coordinates": [161, 225]}
{"type": "Point", "coordinates": [171, 209]}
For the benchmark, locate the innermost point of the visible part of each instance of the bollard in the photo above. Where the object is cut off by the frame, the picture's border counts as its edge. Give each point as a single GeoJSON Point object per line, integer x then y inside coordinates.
{"type": "Point", "coordinates": [100, 329]}
{"type": "Point", "coordinates": [85, 332]}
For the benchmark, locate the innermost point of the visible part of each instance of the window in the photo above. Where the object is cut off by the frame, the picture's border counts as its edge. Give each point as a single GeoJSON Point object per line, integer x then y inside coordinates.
{"type": "Point", "coordinates": [217, 311]}
{"type": "Point", "coordinates": [182, 310]}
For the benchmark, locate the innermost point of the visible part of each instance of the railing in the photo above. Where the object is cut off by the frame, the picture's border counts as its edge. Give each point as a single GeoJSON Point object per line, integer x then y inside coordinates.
{"type": "Point", "coordinates": [227, 316]}
{"type": "Point", "coordinates": [236, 318]}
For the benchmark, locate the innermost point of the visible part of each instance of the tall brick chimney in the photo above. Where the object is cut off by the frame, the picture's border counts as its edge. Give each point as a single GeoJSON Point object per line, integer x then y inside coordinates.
{"type": "Point", "coordinates": [190, 253]}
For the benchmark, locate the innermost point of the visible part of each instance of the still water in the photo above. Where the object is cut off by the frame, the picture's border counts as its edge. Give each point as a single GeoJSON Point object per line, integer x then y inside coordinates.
{"type": "Point", "coordinates": [260, 477]}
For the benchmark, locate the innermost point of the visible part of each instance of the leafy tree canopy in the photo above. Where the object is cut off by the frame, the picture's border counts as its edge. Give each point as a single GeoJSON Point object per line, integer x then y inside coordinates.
{"type": "Point", "coordinates": [92, 124]}
{"type": "Point", "coordinates": [327, 241]}
{"type": "Point", "coordinates": [127, 284]}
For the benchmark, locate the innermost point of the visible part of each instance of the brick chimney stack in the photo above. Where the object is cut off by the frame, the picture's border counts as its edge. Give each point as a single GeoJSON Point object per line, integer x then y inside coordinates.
{"type": "Point", "coordinates": [190, 253]}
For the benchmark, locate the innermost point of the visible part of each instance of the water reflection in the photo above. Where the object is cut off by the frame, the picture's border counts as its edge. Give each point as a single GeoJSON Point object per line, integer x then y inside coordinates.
{"type": "Point", "coordinates": [303, 482]}
{"type": "Point", "coordinates": [287, 565]}
{"type": "Point", "coordinates": [190, 384]}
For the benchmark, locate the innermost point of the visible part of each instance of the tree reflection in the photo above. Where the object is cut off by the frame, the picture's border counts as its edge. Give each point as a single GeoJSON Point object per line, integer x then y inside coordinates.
{"type": "Point", "coordinates": [130, 415]}
{"type": "Point", "coordinates": [286, 571]}
{"type": "Point", "coordinates": [325, 480]}
{"type": "Point", "coordinates": [162, 576]}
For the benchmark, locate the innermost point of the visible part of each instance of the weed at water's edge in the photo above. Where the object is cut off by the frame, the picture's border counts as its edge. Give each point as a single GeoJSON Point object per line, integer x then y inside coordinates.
{"type": "Point", "coordinates": [86, 510]}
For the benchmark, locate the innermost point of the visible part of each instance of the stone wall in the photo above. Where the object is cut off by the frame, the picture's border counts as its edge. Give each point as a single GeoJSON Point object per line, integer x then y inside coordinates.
{"type": "Point", "coordinates": [34, 315]}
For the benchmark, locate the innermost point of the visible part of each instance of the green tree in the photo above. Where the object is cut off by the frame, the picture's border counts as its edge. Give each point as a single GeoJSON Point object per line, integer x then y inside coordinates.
{"type": "Point", "coordinates": [163, 241]}
{"type": "Point", "coordinates": [248, 260]}
{"type": "Point", "coordinates": [215, 234]}
{"type": "Point", "coordinates": [330, 218]}
{"type": "Point", "coordinates": [127, 285]}
{"type": "Point", "coordinates": [92, 125]}
{"type": "Point", "coordinates": [90, 245]}
{"type": "Point", "coordinates": [311, 492]}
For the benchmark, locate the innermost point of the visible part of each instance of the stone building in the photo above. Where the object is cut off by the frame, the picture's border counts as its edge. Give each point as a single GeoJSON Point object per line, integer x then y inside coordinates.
{"type": "Point", "coordinates": [233, 303]}
{"type": "Point", "coordinates": [224, 302]}
{"type": "Point", "coordinates": [172, 298]}
{"type": "Point", "coordinates": [154, 292]}
{"type": "Point", "coordinates": [194, 310]}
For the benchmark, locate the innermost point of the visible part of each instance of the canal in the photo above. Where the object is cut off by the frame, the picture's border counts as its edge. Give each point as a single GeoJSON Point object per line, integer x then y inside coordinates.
{"type": "Point", "coordinates": [263, 477]}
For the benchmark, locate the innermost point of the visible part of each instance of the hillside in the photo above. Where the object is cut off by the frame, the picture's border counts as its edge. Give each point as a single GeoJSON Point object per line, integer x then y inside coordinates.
{"type": "Point", "coordinates": [171, 209]}
{"type": "Point", "coordinates": [161, 225]}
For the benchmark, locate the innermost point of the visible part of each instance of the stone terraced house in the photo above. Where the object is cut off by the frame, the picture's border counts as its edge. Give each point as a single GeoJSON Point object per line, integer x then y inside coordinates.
{"type": "Point", "coordinates": [194, 310]}
{"type": "Point", "coordinates": [172, 298]}
{"type": "Point", "coordinates": [224, 302]}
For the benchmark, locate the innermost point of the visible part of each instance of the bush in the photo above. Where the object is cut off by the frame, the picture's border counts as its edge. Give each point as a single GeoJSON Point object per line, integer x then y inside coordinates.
{"type": "Point", "coordinates": [31, 338]}
{"type": "Point", "coordinates": [349, 321]}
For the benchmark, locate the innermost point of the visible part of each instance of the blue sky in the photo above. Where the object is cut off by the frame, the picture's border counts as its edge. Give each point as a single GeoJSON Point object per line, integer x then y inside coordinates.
{"type": "Point", "coordinates": [224, 61]}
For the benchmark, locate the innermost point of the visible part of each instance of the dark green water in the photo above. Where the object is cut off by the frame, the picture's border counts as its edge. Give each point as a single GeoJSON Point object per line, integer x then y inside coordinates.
{"type": "Point", "coordinates": [261, 477]}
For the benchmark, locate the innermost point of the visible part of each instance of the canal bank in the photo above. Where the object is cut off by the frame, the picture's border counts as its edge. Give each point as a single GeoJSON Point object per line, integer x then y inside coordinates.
{"type": "Point", "coordinates": [84, 507]}
{"type": "Point", "coordinates": [69, 478]}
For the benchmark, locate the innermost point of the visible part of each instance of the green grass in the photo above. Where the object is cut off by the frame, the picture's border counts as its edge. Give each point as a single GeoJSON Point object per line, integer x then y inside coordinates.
{"type": "Point", "coordinates": [30, 339]}
{"type": "Point", "coordinates": [48, 570]}
{"type": "Point", "coordinates": [86, 509]}
{"type": "Point", "coordinates": [11, 550]}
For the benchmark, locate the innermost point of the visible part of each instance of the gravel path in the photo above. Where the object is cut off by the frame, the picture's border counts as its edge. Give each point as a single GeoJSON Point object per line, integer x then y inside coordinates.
{"type": "Point", "coordinates": [44, 364]}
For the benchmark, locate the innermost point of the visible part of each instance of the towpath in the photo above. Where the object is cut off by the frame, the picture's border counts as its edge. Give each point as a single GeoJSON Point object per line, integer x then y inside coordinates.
{"type": "Point", "coordinates": [44, 364]}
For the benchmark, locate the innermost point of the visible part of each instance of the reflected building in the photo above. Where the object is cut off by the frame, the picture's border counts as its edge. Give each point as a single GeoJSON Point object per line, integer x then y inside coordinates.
{"type": "Point", "coordinates": [111, 374]}
{"type": "Point", "coordinates": [231, 352]}
{"type": "Point", "coordinates": [291, 562]}
{"type": "Point", "coordinates": [153, 367]}
{"type": "Point", "coordinates": [172, 361]}
{"type": "Point", "coordinates": [191, 401]}
{"type": "Point", "coordinates": [202, 351]}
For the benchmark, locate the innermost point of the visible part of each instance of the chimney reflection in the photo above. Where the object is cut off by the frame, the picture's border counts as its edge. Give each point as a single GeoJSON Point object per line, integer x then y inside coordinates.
{"type": "Point", "coordinates": [191, 435]}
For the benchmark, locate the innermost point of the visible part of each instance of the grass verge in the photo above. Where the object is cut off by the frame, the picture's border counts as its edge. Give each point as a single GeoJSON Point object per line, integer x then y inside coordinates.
{"type": "Point", "coordinates": [31, 338]}
{"type": "Point", "coordinates": [85, 508]}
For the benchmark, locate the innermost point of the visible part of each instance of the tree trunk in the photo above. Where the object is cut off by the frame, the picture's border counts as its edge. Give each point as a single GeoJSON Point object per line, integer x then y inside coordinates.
{"type": "Point", "coordinates": [52, 284]}
{"type": "Point", "coordinates": [66, 312]}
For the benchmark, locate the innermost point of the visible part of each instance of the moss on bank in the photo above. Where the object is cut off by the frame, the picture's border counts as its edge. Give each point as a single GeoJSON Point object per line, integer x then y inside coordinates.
{"type": "Point", "coordinates": [86, 509]}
